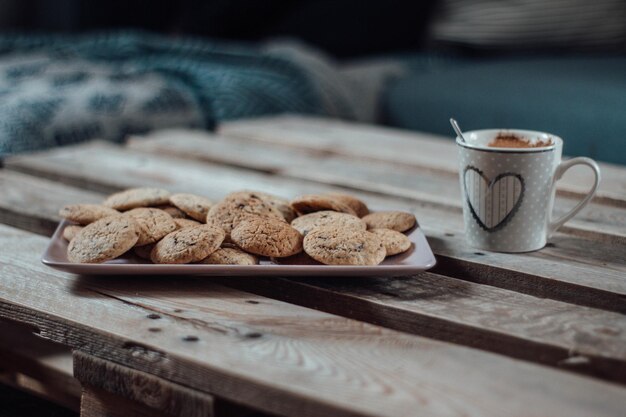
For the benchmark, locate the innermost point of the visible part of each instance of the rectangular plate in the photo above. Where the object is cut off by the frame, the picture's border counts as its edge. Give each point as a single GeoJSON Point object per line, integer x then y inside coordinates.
{"type": "Point", "coordinates": [418, 258]}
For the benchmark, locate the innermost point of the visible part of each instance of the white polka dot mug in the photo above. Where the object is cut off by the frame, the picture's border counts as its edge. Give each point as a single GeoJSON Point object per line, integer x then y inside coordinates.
{"type": "Point", "coordinates": [508, 193]}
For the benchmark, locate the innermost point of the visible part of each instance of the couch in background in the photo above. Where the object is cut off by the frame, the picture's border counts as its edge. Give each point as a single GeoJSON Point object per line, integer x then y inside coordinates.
{"type": "Point", "coordinates": [579, 98]}
{"type": "Point", "coordinates": [553, 66]}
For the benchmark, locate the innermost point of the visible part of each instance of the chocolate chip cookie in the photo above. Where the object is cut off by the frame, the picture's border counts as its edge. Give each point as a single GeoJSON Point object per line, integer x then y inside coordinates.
{"type": "Point", "coordinates": [230, 256]}
{"type": "Point", "coordinates": [399, 221]}
{"type": "Point", "coordinates": [194, 206]}
{"type": "Point", "coordinates": [236, 207]}
{"type": "Point", "coordinates": [304, 224]}
{"type": "Point", "coordinates": [86, 213]}
{"type": "Point", "coordinates": [191, 244]}
{"type": "Point", "coordinates": [71, 231]}
{"type": "Point", "coordinates": [137, 197]}
{"type": "Point", "coordinates": [311, 203]}
{"type": "Point", "coordinates": [359, 207]}
{"type": "Point", "coordinates": [175, 212]}
{"type": "Point", "coordinates": [279, 203]}
{"type": "Point", "coordinates": [332, 246]}
{"type": "Point", "coordinates": [267, 237]}
{"type": "Point", "coordinates": [182, 223]}
{"type": "Point", "coordinates": [395, 242]}
{"type": "Point", "coordinates": [152, 224]}
{"type": "Point", "coordinates": [103, 240]}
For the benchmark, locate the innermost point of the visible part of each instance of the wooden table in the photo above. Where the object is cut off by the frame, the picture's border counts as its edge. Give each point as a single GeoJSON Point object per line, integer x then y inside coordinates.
{"type": "Point", "coordinates": [483, 334]}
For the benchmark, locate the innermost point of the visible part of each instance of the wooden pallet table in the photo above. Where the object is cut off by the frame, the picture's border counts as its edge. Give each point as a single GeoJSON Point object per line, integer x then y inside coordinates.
{"type": "Point", "coordinates": [482, 334]}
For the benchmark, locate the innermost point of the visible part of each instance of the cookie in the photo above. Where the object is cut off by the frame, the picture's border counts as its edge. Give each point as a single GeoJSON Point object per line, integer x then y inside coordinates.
{"type": "Point", "coordinates": [191, 244]}
{"type": "Point", "coordinates": [152, 224]}
{"type": "Point", "coordinates": [359, 207]}
{"type": "Point", "coordinates": [175, 212]}
{"type": "Point", "coordinates": [395, 242]}
{"type": "Point", "coordinates": [311, 203]}
{"type": "Point", "coordinates": [230, 256]}
{"type": "Point", "coordinates": [103, 240]}
{"type": "Point", "coordinates": [144, 251]}
{"type": "Point", "coordinates": [267, 237]}
{"type": "Point", "coordinates": [399, 221]}
{"type": "Point", "coordinates": [279, 203]}
{"type": "Point", "coordinates": [182, 223]}
{"type": "Point", "coordinates": [70, 231]}
{"type": "Point", "coordinates": [332, 246]}
{"type": "Point", "coordinates": [239, 206]}
{"type": "Point", "coordinates": [86, 213]}
{"type": "Point", "coordinates": [193, 205]}
{"type": "Point", "coordinates": [137, 197]}
{"type": "Point", "coordinates": [304, 224]}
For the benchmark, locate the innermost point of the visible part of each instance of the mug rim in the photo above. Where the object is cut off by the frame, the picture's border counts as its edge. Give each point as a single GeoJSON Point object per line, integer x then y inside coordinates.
{"type": "Point", "coordinates": [555, 139]}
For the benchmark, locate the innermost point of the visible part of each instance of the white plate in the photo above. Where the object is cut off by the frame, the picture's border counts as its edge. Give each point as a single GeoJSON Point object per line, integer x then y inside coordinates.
{"type": "Point", "coordinates": [420, 257]}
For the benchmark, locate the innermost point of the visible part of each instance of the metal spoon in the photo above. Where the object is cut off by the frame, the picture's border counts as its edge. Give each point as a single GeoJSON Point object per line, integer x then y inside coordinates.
{"type": "Point", "coordinates": [457, 129]}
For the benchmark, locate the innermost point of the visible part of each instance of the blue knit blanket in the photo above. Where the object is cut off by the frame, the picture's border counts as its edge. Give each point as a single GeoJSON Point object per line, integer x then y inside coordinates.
{"type": "Point", "coordinates": [60, 90]}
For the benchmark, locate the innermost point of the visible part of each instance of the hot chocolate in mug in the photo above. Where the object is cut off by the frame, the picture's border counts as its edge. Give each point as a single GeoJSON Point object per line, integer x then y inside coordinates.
{"type": "Point", "coordinates": [508, 192]}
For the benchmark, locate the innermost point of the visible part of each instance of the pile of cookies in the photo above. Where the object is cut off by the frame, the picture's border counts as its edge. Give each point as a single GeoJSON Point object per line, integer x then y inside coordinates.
{"type": "Point", "coordinates": [333, 229]}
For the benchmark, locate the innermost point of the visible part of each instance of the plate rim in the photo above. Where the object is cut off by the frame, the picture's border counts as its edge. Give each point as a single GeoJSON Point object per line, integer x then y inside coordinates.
{"type": "Point", "coordinates": [198, 269]}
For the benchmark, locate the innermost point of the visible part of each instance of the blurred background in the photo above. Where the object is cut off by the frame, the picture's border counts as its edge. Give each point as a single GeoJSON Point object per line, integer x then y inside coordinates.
{"type": "Point", "coordinates": [72, 70]}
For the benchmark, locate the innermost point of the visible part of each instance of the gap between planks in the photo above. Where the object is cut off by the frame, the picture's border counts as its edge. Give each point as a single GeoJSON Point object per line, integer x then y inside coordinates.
{"type": "Point", "coordinates": [596, 221]}
{"type": "Point", "coordinates": [565, 272]}
{"type": "Point", "coordinates": [416, 149]}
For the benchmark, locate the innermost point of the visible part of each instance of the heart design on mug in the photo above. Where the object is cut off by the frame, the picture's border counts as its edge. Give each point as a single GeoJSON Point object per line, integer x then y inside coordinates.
{"type": "Point", "coordinates": [493, 203]}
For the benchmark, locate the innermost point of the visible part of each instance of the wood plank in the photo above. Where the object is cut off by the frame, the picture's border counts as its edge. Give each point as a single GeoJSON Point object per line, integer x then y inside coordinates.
{"type": "Point", "coordinates": [53, 393]}
{"type": "Point", "coordinates": [278, 357]}
{"type": "Point", "coordinates": [596, 221]}
{"type": "Point", "coordinates": [519, 280]}
{"type": "Point", "coordinates": [399, 147]}
{"type": "Point", "coordinates": [549, 332]}
{"type": "Point", "coordinates": [563, 271]}
{"type": "Point", "coordinates": [39, 366]}
{"type": "Point", "coordinates": [139, 387]}
{"type": "Point", "coordinates": [99, 403]}
{"type": "Point", "coordinates": [33, 203]}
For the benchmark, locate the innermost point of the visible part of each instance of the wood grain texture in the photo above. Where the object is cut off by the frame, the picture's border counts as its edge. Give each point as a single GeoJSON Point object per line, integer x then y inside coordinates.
{"type": "Point", "coordinates": [99, 403]}
{"type": "Point", "coordinates": [570, 269]}
{"type": "Point", "coordinates": [400, 147]}
{"type": "Point", "coordinates": [33, 203]}
{"type": "Point", "coordinates": [145, 389]}
{"type": "Point", "coordinates": [275, 356]}
{"type": "Point", "coordinates": [596, 221]}
{"type": "Point", "coordinates": [549, 332]}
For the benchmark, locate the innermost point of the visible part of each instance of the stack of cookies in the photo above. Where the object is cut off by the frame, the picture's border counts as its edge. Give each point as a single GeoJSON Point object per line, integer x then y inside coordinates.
{"type": "Point", "coordinates": [333, 229]}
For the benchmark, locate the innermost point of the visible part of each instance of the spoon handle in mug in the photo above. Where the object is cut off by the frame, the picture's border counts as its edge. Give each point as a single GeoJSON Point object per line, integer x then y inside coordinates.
{"type": "Point", "coordinates": [564, 166]}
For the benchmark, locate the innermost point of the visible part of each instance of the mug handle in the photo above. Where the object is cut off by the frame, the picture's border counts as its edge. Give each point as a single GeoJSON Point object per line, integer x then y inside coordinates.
{"type": "Point", "coordinates": [560, 170]}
